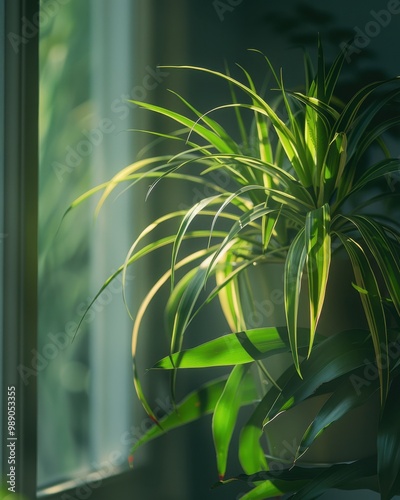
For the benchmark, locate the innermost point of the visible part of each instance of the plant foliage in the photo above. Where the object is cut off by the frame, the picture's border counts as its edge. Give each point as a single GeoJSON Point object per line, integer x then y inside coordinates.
{"type": "Point", "coordinates": [306, 182]}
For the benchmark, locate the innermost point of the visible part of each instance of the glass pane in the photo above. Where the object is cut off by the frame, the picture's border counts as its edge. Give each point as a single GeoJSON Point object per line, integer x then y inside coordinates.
{"type": "Point", "coordinates": [84, 379]}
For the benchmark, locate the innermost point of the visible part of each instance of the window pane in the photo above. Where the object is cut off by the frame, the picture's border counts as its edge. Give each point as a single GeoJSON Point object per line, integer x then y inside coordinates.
{"type": "Point", "coordinates": [84, 381]}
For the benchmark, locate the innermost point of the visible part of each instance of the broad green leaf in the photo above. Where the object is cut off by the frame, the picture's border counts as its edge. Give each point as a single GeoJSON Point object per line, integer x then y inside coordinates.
{"type": "Point", "coordinates": [348, 395]}
{"type": "Point", "coordinates": [262, 491]}
{"type": "Point", "coordinates": [318, 249]}
{"type": "Point", "coordinates": [389, 443]}
{"type": "Point", "coordinates": [336, 476]}
{"type": "Point", "coordinates": [251, 454]}
{"type": "Point", "coordinates": [335, 356]}
{"type": "Point", "coordinates": [226, 412]}
{"type": "Point", "coordinates": [292, 286]}
{"type": "Point", "coordinates": [310, 482]}
{"type": "Point", "coordinates": [234, 348]}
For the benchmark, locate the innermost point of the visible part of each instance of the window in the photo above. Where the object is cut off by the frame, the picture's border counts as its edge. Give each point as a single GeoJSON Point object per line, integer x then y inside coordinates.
{"type": "Point", "coordinates": [83, 391]}
{"type": "Point", "coordinates": [74, 402]}
{"type": "Point", "coordinates": [84, 379]}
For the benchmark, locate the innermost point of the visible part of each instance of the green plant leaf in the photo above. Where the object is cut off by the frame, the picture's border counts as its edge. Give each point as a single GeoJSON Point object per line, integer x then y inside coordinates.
{"type": "Point", "coordinates": [195, 405]}
{"type": "Point", "coordinates": [265, 147]}
{"type": "Point", "coordinates": [346, 396]}
{"type": "Point", "coordinates": [234, 348]}
{"type": "Point", "coordinates": [228, 293]}
{"type": "Point", "coordinates": [189, 216]}
{"type": "Point", "coordinates": [226, 289]}
{"type": "Point", "coordinates": [212, 124]}
{"type": "Point", "coordinates": [286, 137]}
{"type": "Point", "coordinates": [247, 218]}
{"type": "Point", "coordinates": [318, 248]}
{"type": "Point", "coordinates": [251, 454]}
{"type": "Point", "coordinates": [336, 476]}
{"type": "Point", "coordinates": [310, 482]}
{"type": "Point", "coordinates": [292, 286]}
{"type": "Point", "coordinates": [209, 135]}
{"type": "Point", "coordinates": [262, 491]}
{"type": "Point", "coordinates": [187, 303]}
{"type": "Point", "coordinates": [332, 357]}
{"type": "Point", "coordinates": [138, 320]}
{"type": "Point", "coordinates": [334, 164]}
{"type": "Point", "coordinates": [225, 414]}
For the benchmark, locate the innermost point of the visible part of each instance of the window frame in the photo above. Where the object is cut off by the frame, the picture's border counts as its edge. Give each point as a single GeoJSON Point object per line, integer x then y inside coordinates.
{"type": "Point", "coordinates": [20, 174]}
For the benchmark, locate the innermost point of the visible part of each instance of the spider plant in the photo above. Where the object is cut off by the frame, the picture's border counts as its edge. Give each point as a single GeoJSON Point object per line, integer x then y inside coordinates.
{"type": "Point", "coordinates": [306, 181]}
